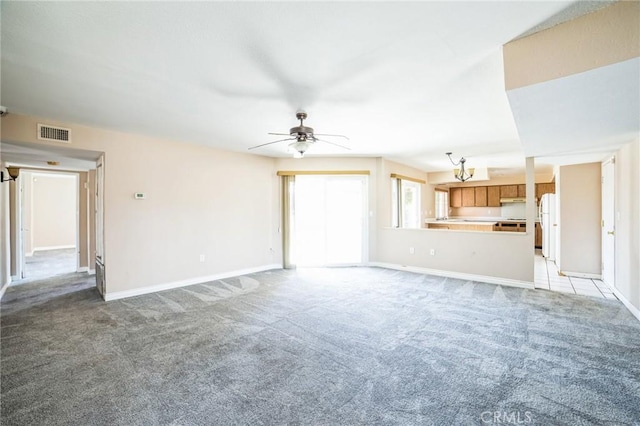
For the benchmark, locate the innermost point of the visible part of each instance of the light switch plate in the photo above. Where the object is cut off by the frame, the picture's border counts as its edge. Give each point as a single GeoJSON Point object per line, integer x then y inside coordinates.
{"type": "Point", "coordinates": [139, 195]}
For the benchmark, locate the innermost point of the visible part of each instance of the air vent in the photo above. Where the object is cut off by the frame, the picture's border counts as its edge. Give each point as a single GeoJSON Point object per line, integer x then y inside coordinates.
{"type": "Point", "coordinates": [53, 133]}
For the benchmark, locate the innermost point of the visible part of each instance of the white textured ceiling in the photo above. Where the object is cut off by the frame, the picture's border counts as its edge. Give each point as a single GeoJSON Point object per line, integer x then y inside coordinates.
{"type": "Point", "coordinates": [408, 81]}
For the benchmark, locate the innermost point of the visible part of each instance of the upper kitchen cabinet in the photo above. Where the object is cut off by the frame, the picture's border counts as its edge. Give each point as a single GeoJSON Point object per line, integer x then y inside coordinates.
{"type": "Point", "coordinates": [493, 196]}
{"type": "Point", "coordinates": [545, 188]}
{"type": "Point", "coordinates": [508, 191]}
{"type": "Point", "coordinates": [468, 197]}
{"type": "Point", "coordinates": [522, 190]}
{"type": "Point", "coordinates": [481, 196]}
{"type": "Point", "coordinates": [455, 197]}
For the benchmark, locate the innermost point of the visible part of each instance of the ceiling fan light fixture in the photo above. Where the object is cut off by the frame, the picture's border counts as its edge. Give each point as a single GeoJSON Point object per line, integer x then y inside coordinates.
{"type": "Point", "coordinates": [300, 147]}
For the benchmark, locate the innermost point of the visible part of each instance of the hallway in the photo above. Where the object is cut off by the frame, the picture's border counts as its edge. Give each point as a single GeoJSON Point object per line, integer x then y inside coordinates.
{"type": "Point", "coordinates": [49, 263]}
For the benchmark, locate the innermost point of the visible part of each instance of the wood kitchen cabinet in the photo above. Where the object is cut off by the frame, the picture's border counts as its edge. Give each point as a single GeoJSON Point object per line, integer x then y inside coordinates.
{"type": "Point", "coordinates": [545, 188]}
{"type": "Point", "coordinates": [493, 196]}
{"type": "Point", "coordinates": [484, 227]}
{"type": "Point", "coordinates": [522, 191]}
{"type": "Point", "coordinates": [508, 191]}
{"type": "Point", "coordinates": [511, 226]}
{"type": "Point", "coordinates": [481, 196]}
{"type": "Point", "coordinates": [468, 197]}
{"type": "Point", "coordinates": [455, 197]}
{"type": "Point", "coordinates": [538, 236]}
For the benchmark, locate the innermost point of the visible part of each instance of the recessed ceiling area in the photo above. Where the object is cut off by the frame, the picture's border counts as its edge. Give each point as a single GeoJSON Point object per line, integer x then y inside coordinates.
{"type": "Point", "coordinates": [407, 81]}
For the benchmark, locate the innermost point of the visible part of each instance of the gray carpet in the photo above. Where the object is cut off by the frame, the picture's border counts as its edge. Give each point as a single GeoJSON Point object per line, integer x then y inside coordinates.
{"type": "Point", "coordinates": [47, 263]}
{"type": "Point", "coordinates": [324, 347]}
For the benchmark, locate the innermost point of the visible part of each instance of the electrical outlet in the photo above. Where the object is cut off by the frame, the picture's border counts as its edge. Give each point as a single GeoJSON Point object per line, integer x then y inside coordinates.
{"type": "Point", "coordinates": [202, 258]}
{"type": "Point", "coordinates": [432, 252]}
{"type": "Point", "coordinates": [412, 250]}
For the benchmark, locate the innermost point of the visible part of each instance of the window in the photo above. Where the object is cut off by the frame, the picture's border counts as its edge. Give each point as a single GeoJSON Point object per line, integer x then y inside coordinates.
{"type": "Point", "coordinates": [442, 204]}
{"type": "Point", "coordinates": [405, 209]}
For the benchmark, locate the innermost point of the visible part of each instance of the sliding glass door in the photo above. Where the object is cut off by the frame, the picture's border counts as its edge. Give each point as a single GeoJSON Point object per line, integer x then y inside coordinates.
{"type": "Point", "coordinates": [330, 220]}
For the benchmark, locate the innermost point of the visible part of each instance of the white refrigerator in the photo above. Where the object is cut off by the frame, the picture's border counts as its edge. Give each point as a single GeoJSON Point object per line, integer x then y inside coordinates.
{"type": "Point", "coordinates": [549, 225]}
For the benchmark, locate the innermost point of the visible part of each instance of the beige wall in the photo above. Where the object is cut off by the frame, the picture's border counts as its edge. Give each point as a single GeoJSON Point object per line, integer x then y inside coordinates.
{"type": "Point", "coordinates": [580, 208]}
{"type": "Point", "coordinates": [601, 38]}
{"type": "Point", "coordinates": [54, 211]}
{"type": "Point", "coordinates": [627, 225]}
{"type": "Point", "coordinates": [224, 207]}
{"type": "Point", "coordinates": [494, 254]}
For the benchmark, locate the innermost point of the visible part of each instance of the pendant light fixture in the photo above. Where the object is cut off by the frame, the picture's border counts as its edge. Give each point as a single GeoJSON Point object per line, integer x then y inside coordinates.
{"type": "Point", "coordinates": [461, 174]}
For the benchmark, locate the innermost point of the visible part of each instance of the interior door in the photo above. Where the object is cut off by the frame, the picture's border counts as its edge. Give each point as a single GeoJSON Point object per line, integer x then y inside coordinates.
{"type": "Point", "coordinates": [608, 223]}
{"type": "Point", "coordinates": [100, 268]}
{"type": "Point", "coordinates": [22, 226]}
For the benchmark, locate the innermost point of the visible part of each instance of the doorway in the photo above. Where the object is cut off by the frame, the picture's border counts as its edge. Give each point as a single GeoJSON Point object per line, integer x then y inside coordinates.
{"type": "Point", "coordinates": [330, 220]}
{"type": "Point", "coordinates": [608, 223]}
{"type": "Point", "coordinates": [48, 224]}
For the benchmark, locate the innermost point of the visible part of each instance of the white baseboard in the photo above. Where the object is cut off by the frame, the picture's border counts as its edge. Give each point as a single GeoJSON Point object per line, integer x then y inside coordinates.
{"type": "Point", "coordinates": [460, 275]}
{"type": "Point", "coordinates": [183, 283]}
{"type": "Point", "coordinates": [91, 271]}
{"type": "Point", "coordinates": [52, 248]}
{"type": "Point", "coordinates": [83, 269]}
{"type": "Point", "coordinates": [581, 275]}
{"type": "Point", "coordinates": [634, 311]}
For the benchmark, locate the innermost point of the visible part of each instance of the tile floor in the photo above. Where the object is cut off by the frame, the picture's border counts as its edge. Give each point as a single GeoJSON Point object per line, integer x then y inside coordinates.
{"type": "Point", "coordinates": [546, 277]}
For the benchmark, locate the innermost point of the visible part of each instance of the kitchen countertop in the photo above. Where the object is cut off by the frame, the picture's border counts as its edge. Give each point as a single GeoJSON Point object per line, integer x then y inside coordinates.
{"type": "Point", "coordinates": [463, 222]}
{"type": "Point", "coordinates": [476, 221]}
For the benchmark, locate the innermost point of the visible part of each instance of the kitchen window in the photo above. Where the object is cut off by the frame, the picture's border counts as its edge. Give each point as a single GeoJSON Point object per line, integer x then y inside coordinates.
{"type": "Point", "coordinates": [442, 204]}
{"type": "Point", "coordinates": [406, 202]}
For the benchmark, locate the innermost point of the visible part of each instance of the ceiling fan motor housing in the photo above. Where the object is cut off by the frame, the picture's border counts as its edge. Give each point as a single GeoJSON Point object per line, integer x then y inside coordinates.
{"type": "Point", "coordinates": [305, 131]}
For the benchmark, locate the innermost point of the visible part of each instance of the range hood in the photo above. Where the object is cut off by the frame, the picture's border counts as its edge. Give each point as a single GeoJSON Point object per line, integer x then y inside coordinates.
{"type": "Point", "coordinates": [513, 200]}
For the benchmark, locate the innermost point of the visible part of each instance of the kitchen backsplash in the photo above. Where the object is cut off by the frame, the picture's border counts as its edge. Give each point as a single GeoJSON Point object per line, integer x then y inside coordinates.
{"type": "Point", "coordinates": [512, 210]}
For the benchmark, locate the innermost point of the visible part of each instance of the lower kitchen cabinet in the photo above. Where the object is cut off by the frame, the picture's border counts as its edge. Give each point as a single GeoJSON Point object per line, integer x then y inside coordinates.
{"type": "Point", "coordinates": [538, 238]}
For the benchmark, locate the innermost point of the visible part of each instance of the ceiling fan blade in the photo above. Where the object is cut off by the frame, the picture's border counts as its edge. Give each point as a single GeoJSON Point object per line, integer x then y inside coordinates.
{"type": "Point", "coordinates": [279, 134]}
{"type": "Point", "coordinates": [333, 143]}
{"type": "Point", "coordinates": [335, 136]}
{"type": "Point", "coordinates": [269, 143]}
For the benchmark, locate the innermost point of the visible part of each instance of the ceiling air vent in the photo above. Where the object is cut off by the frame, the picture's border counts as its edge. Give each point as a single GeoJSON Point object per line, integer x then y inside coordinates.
{"type": "Point", "coordinates": [53, 133]}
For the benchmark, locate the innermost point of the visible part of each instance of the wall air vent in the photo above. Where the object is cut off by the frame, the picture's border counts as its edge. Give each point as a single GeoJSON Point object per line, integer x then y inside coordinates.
{"type": "Point", "coordinates": [53, 133]}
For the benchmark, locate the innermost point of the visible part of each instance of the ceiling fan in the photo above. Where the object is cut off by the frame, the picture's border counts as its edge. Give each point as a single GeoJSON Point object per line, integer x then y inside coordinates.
{"type": "Point", "coordinates": [303, 137]}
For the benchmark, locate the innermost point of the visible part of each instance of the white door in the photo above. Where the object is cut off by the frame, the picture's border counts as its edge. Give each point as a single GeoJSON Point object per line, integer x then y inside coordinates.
{"type": "Point", "coordinates": [100, 264]}
{"type": "Point", "coordinates": [330, 220]}
{"type": "Point", "coordinates": [25, 233]}
{"type": "Point", "coordinates": [608, 222]}
{"type": "Point", "coordinates": [100, 210]}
